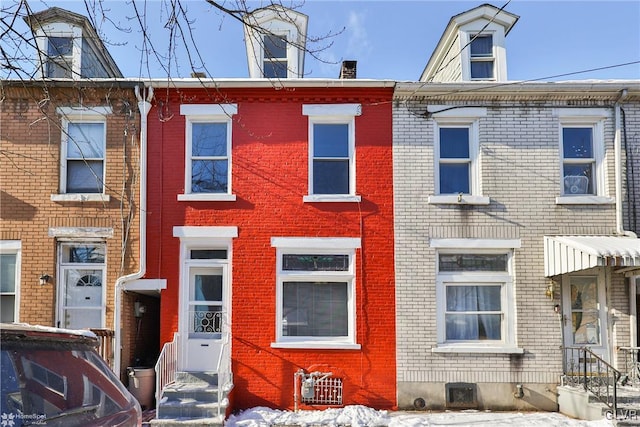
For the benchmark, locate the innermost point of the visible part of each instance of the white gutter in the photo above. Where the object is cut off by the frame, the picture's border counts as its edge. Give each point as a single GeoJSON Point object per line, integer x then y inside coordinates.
{"type": "Point", "coordinates": [143, 106]}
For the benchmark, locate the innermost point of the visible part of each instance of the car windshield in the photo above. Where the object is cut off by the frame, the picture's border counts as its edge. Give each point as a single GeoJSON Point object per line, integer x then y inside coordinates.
{"type": "Point", "coordinates": [57, 384]}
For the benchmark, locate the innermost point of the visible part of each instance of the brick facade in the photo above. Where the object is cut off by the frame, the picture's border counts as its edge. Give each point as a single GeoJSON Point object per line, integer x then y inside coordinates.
{"type": "Point", "coordinates": [520, 173]}
{"type": "Point", "coordinates": [270, 170]}
{"type": "Point", "coordinates": [30, 135]}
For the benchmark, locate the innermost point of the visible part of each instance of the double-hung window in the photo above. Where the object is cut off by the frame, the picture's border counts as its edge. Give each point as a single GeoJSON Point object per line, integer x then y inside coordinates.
{"type": "Point", "coordinates": [315, 292]}
{"type": "Point", "coordinates": [274, 60]}
{"type": "Point", "coordinates": [482, 57]}
{"type": "Point", "coordinates": [9, 280]}
{"type": "Point", "coordinates": [582, 174]}
{"type": "Point", "coordinates": [83, 153]}
{"type": "Point", "coordinates": [475, 295]}
{"type": "Point", "coordinates": [332, 166]}
{"type": "Point", "coordinates": [457, 155]}
{"type": "Point", "coordinates": [59, 57]}
{"type": "Point", "coordinates": [208, 151]}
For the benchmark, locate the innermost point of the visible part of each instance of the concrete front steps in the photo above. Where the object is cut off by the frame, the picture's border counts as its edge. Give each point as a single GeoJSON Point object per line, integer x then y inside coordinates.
{"type": "Point", "coordinates": [192, 400]}
{"type": "Point", "coordinates": [577, 403]}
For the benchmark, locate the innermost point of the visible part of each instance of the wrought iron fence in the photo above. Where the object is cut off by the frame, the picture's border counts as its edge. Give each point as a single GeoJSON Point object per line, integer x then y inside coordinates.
{"type": "Point", "coordinates": [631, 373]}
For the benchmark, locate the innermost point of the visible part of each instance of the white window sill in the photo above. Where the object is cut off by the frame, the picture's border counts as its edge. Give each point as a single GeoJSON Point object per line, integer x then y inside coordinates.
{"type": "Point", "coordinates": [206, 197]}
{"type": "Point", "coordinates": [455, 199]}
{"type": "Point", "coordinates": [325, 198]}
{"type": "Point", "coordinates": [453, 348]}
{"type": "Point", "coordinates": [316, 344]}
{"type": "Point", "coordinates": [584, 200]}
{"type": "Point", "coordinates": [80, 197]}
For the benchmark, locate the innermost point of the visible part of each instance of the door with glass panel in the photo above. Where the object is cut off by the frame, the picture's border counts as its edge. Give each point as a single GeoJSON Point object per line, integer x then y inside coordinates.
{"type": "Point", "coordinates": [81, 295]}
{"type": "Point", "coordinates": [584, 316]}
{"type": "Point", "coordinates": [203, 315]}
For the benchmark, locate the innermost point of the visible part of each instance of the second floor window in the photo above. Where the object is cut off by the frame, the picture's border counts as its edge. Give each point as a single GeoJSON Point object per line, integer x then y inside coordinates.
{"type": "Point", "coordinates": [209, 158]}
{"type": "Point", "coordinates": [482, 60]}
{"type": "Point", "coordinates": [578, 160]}
{"type": "Point", "coordinates": [454, 165]}
{"type": "Point", "coordinates": [84, 157]}
{"type": "Point", "coordinates": [208, 151]}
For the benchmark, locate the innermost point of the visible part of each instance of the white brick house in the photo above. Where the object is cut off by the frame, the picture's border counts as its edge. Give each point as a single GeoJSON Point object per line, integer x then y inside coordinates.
{"type": "Point", "coordinates": [515, 208]}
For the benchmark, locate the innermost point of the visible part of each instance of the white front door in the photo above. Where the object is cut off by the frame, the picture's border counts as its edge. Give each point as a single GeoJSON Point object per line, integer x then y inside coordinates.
{"type": "Point", "coordinates": [585, 314]}
{"type": "Point", "coordinates": [202, 317]}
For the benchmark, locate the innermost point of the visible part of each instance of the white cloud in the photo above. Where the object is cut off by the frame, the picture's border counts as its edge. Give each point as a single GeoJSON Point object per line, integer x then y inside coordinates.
{"type": "Point", "coordinates": [358, 46]}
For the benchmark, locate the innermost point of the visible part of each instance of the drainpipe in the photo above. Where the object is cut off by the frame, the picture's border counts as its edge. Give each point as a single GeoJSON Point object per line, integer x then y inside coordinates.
{"type": "Point", "coordinates": [617, 143]}
{"type": "Point", "coordinates": [144, 105]}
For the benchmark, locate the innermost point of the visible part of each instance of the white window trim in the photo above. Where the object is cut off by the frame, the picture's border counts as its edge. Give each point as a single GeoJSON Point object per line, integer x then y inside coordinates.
{"type": "Point", "coordinates": [207, 113]}
{"type": "Point", "coordinates": [496, 30]}
{"type": "Point", "coordinates": [330, 245]}
{"type": "Point", "coordinates": [14, 247]}
{"type": "Point", "coordinates": [81, 115]}
{"type": "Point", "coordinates": [451, 116]}
{"type": "Point", "coordinates": [290, 51]}
{"type": "Point", "coordinates": [337, 114]}
{"type": "Point", "coordinates": [480, 246]}
{"type": "Point", "coordinates": [63, 266]}
{"type": "Point", "coordinates": [59, 29]}
{"type": "Point", "coordinates": [585, 117]}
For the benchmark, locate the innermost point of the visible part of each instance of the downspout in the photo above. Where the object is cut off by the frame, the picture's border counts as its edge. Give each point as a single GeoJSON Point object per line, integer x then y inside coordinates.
{"type": "Point", "coordinates": [617, 144]}
{"type": "Point", "coordinates": [143, 106]}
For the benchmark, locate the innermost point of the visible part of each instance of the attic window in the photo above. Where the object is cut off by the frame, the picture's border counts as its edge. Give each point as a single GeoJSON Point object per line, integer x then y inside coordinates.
{"type": "Point", "coordinates": [59, 57]}
{"type": "Point", "coordinates": [275, 56]}
{"type": "Point", "coordinates": [482, 59]}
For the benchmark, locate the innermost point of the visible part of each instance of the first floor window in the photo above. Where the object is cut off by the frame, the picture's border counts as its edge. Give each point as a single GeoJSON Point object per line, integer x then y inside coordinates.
{"type": "Point", "coordinates": [9, 277]}
{"type": "Point", "coordinates": [475, 298]}
{"type": "Point", "coordinates": [315, 291]}
{"type": "Point", "coordinates": [82, 269]}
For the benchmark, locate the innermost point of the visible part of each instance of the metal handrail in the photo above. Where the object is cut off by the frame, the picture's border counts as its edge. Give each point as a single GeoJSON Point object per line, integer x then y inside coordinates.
{"type": "Point", "coordinates": [166, 366]}
{"type": "Point", "coordinates": [223, 367]}
{"type": "Point", "coordinates": [594, 373]}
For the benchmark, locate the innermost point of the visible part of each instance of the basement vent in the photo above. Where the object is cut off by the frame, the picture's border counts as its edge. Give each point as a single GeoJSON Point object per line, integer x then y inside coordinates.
{"type": "Point", "coordinates": [327, 391]}
{"type": "Point", "coordinates": [461, 395]}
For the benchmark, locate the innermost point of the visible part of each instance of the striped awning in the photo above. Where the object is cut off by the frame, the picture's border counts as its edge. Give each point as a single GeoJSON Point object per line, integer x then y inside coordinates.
{"type": "Point", "coordinates": [565, 254]}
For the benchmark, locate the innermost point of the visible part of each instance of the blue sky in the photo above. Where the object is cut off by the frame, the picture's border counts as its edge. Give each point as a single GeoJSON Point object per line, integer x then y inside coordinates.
{"type": "Point", "coordinates": [394, 39]}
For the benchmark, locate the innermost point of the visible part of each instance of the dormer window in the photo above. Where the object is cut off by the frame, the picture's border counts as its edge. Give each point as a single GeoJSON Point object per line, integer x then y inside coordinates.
{"type": "Point", "coordinates": [275, 39]}
{"type": "Point", "coordinates": [59, 62]}
{"type": "Point", "coordinates": [275, 56]}
{"type": "Point", "coordinates": [481, 57]}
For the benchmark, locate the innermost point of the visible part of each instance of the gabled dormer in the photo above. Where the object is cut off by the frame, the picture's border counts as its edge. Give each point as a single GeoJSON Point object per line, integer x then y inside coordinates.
{"type": "Point", "coordinates": [69, 47]}
{"type": "Point", "coordinates": [275, 38]}
{"type": "Point", "coordinates": [472, 47]}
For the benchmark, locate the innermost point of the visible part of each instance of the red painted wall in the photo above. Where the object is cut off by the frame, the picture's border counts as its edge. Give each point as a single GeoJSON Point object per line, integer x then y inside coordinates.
{"type": "Point", "coordinates": [269, 164]}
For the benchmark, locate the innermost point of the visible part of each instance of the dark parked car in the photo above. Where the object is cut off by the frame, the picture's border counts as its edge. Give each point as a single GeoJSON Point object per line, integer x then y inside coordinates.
{"type": "Point", "coordinates": [55, 377]}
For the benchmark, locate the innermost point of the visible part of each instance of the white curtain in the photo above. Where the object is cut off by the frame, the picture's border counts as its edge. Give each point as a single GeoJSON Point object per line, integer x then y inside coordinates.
{"type": "Point", "coordinates": [463, 322]}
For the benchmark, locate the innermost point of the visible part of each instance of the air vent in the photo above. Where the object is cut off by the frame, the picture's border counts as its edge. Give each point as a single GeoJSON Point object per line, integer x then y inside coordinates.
{"type": "Point", "coordinates": [461, 395]}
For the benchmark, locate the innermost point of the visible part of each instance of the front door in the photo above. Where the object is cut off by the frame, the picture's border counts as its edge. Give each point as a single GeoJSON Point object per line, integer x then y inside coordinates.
{"type": "Point", "coordinates": [585, 314]}
{"type": "Point", "coordinates": [203, 315]}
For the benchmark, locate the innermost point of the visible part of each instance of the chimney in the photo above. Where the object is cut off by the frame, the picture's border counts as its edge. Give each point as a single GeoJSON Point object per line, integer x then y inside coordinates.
{"type": "Point", "coordinates": [348, 70]}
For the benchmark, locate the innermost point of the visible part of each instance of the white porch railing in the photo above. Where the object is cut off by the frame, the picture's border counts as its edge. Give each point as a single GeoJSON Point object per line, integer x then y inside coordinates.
{"type": "Point", "coordinates": [223, 368]}
{"type": "Point", "coordinates": [166, 366]}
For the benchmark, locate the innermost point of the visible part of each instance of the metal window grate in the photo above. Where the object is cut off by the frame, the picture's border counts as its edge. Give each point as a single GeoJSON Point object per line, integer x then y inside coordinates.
{"type": "Point", "coordinates": [327, 391]}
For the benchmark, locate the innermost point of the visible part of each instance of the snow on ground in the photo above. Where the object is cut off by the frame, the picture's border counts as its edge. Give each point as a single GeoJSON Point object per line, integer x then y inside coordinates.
{"type": "Point", "coordinates": [362, 416]}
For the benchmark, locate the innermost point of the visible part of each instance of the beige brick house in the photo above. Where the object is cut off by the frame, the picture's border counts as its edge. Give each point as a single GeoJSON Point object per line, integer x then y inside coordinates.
{"type": "Point", "coordinates": [515, 214]}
